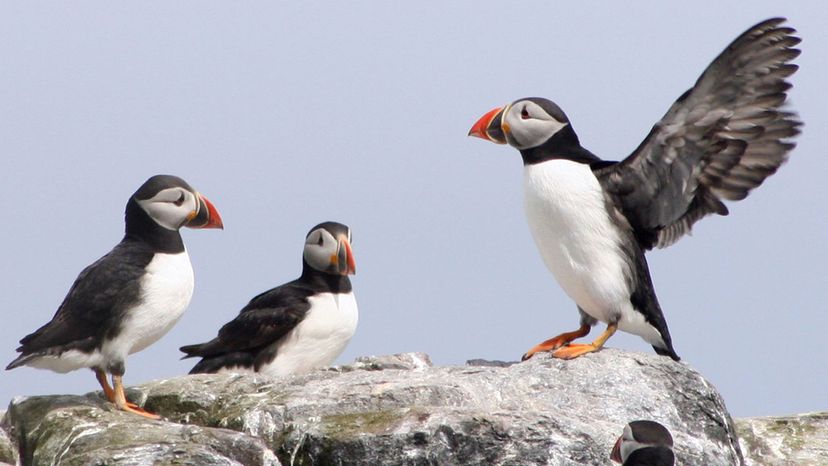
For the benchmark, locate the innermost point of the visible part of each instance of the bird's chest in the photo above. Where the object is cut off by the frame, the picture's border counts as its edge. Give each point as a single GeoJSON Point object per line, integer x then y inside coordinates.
{"type": "Point", "coordinates": [578, 242]}
{"type": "Point", "coordinates": [320, 337]}
{"type": "Point", "coordinates": [166, 289]}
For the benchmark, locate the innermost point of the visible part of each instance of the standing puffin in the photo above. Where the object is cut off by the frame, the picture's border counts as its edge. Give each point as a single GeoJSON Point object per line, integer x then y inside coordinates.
{"type": "Point", "coordinates": [296, 327]}
{"type": "Point", "coordinates": [129, 298]}
{"type": "Point", "coordinates": [593, 219]}
{"type": "Point", "coordinates": [644, 443]}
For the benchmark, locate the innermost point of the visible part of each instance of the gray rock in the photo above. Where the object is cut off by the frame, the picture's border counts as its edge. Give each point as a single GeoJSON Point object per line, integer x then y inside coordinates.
{"type": "Point", "coordinates": [785, 440]}
{"type": "Point", "coordinates": [544, 411]}
{"type": "Point", "coordinates": [8, 448]}
{"type": "Point", "coordinates": [86, 430]}
{"type": "Point", "coordinates": [390, 410]}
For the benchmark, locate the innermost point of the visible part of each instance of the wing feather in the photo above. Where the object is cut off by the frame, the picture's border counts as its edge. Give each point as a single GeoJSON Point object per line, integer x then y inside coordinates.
{"type": "Point", "coordinates": [718, 141]}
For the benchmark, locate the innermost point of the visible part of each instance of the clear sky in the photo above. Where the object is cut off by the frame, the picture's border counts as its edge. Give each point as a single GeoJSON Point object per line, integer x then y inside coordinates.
{"type": "Point", "coordinates": [287, 114]}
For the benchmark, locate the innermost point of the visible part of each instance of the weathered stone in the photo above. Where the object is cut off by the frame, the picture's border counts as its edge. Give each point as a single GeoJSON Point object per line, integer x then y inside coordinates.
{"type": "Point", "coordinates": [395, 410]}
{"type": "Point", "coordinates": [8, 448]}
{"type": "Point", "coordinates": [402, 361]}
{"type": "Point", "coordinates": [784, 440]}
{"type": "Point", "coordinates": [544, 411]}
{"type": "Point", "coordinates": [76, 430]}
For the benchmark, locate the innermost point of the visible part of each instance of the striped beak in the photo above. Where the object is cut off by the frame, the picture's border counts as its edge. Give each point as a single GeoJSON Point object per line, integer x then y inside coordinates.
{"type": "Point", "coordinates": [206, 216]}
{"type": "Point", "coordinates": [343, 261]}
{"type": "Point", "coordinates": [489, 127]}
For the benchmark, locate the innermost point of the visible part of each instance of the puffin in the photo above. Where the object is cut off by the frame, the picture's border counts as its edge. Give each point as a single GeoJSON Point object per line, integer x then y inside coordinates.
{"type": "Point", "coordinates": [296, 327]}
{"type": "Point", "coordinates": [593, 219]}
{"type": "Point", "coordinates": [644, 443]}
{"type": "Point", "coordinates": [129, 298]}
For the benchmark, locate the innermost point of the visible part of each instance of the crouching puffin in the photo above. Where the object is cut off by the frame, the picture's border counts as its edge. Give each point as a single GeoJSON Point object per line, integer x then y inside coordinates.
{"type": "Point", "coordinates": [129, 298]}
{"type": "Point", "coordinates": [296, 327]}
{"type": "Point", "coordinates": [593, 219]}
{"type": "Point", "coordinates": [644, 443]}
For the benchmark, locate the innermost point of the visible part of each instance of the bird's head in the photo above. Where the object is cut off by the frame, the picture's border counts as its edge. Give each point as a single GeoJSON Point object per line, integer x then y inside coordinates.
{"type": "Point", "coordinates": [172, 203]}
{"type": "Point", "coordinates": [328, 249]}
{"type": "Point", "coordinates": [523, 124]}
{"type": "Point", "coordinates": [640, 434]}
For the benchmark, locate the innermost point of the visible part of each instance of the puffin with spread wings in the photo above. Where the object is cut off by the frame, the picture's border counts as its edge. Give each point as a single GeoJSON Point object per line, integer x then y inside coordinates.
{"type": "Point", "coordinates": [592, 219]}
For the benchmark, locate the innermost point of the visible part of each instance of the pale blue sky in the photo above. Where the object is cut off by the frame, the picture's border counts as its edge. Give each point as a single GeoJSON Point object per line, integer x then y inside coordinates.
{"type": "Point", "coordinates": [287, 114]}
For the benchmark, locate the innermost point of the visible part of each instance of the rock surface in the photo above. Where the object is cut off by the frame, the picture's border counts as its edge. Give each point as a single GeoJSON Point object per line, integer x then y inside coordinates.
{"type": "Point", "coordinates": [73, 430]}
{"type": "Point", "coordinates": [8, 449]}
{"type": "Point", "coordinates": [785, 440]}
{"type": "Point", "coordinates": [389, 410]}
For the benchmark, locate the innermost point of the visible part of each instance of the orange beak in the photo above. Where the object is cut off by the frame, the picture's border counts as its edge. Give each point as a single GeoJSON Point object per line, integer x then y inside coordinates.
{"type": "Point", "coordinates": [343, 261]}
{"type": "Point", "coordinates": [207, 216]}
{"type": "Point", "coordinates": [616, 451]}
{"type": "Point", "coordinates": [488, 127]}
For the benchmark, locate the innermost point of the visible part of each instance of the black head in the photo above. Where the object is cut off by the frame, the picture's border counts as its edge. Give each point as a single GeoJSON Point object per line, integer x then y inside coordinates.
{"type": "Point", "coordinates": [164, 204]}
{"type": "Point", "coordinates": [639, 435]}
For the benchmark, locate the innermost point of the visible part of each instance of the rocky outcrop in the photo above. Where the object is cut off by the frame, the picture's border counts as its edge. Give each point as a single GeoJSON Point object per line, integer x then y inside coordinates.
{"type": "Point", "coordinates": [389, 410]}
{"type": "Point", "coordinates": [785, 440]}
{"type": "Point", "coordinates": [8, 449]}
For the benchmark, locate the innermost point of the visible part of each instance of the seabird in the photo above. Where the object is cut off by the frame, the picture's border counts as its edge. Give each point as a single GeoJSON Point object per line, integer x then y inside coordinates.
{"type": "Point", "coordinates": [296, 327]}
{"type": "Point", "coordinates": [129, 298]}
{"type": "Point", "coordinates": [592, 219]}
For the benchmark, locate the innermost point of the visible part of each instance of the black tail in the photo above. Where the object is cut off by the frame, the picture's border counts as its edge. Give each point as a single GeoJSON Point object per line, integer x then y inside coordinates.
{"type": "Point", "coordinates": [667, 352]}
{"type": "Point", "coordinates": [213, 364]}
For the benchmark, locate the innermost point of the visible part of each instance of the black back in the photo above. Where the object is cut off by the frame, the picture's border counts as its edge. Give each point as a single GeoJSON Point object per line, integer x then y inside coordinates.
{"type": "Point", "coordinates": [250, 339]}
{"type": "Point", "coordinates": [95, 305]}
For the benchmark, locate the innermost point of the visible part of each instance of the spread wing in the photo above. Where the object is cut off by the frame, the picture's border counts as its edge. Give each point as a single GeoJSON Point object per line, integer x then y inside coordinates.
{"type": "Point", "coordinates": [717, 142]}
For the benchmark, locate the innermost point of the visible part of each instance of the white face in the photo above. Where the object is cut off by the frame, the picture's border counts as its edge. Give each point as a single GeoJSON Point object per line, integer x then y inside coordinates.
{"type": "Point", "coordinates": [528, 125]}
{"type": "Point", "coordinates": [171, 208]}
{"type": "Point", "coordinates": [320, 247]}
{"type": "Point", "coordinates": [628, 444]}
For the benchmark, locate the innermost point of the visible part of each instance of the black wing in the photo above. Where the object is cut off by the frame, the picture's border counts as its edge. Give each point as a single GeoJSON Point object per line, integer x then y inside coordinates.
{"type": "Point", "coordinates": [94, 305]}
{"type": "Point", "coordinates": [718, 141]}
{"type": "Point", "coordinates": [266, 319]}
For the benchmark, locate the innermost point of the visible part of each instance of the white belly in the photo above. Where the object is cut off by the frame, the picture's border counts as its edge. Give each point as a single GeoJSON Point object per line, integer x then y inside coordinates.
{"type": "Point", "coordinates": [319, 339]}
{"type": "Point", "coordinates": [167, 289]}
{"type": "Point", "coordinates": [566, 211]}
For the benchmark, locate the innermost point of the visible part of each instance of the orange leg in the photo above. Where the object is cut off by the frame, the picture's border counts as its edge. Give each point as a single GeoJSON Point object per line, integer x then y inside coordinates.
{"type": "Point", "coordinates": [573, 351]}
{"type": "Point", "coordinates": [108, 391]}
{"type": "Point", "coordinates": [557, 342]}
{"type": "Point", "coordinates": [121, 402]}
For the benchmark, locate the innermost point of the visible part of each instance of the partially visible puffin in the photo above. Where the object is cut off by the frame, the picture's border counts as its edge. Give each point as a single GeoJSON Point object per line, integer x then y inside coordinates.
{"type": "Point", "coordinates": [296, 327]}
{"type": "Point", "coordinates": [592, 219]}
{"type": "Point", "coordinates": [644, 443]}
{"type": "Point", "coordinates": [129, 298]}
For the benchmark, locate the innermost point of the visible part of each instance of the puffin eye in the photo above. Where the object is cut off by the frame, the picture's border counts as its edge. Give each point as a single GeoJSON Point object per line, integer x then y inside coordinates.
{"type": "Point", "coordinates": [320, 241]}
{"type": "Point", "coordinates": [180, 200]}
{"type": "Point", "coordinates": [524, 114]}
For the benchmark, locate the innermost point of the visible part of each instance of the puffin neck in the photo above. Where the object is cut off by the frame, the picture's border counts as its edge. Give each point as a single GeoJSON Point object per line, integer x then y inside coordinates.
{"type": "Point", "coordinates": [140, 227]}
{"type": "Point", "coordinates": [322, 281]}
{"type": "Point", "coordinates": [562, 145]}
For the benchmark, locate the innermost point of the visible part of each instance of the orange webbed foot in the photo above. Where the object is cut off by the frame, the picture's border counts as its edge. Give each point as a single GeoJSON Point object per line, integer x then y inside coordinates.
{"type": "Point", "coordinates": [556, 342]}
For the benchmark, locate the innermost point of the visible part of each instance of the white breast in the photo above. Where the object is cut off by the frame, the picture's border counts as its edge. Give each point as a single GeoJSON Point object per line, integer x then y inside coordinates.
{"type": "Point", "coordinates": [167, 288]}
{"type": "Point", "coordinates": [566, 211]}
{"type": "Point", "coordinates": [320, 338]}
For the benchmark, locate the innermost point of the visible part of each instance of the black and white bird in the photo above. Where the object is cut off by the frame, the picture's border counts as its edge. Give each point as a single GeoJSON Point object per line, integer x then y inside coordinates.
{"type": "Point", "coordinates": [296, 327]}
{"type": "Point", "coordinates": [593, 219]}
{"type": "Point", "coordinates": [129, 298]}
{"type": "Point", "coordinates": [644, 443]}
